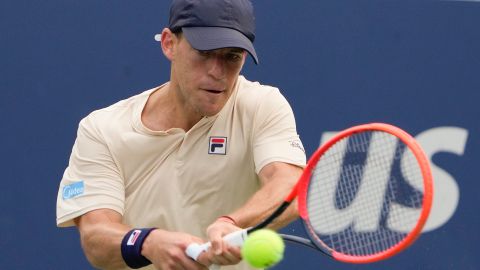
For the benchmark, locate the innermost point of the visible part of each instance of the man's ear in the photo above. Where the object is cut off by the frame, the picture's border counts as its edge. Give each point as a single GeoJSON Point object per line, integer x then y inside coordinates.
{"type": "Point", "coordinates": [167, 41]}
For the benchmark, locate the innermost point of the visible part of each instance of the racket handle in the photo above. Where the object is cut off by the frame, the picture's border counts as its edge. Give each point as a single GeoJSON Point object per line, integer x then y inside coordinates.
{"type": "Point", "coordinates": [234, 239]}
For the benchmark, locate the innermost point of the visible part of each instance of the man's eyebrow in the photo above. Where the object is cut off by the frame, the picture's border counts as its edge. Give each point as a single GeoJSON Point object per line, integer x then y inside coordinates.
{"type": "Point", "coordinates": [237, 50]}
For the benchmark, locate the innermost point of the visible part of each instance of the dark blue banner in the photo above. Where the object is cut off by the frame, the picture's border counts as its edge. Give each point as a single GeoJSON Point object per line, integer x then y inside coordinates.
{"type": "Point", "coordinates": [414, 64]}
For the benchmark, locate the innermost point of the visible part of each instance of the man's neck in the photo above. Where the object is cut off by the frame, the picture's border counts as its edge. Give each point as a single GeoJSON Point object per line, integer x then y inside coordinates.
{"type": "Point", "coordinates": [162, 112]}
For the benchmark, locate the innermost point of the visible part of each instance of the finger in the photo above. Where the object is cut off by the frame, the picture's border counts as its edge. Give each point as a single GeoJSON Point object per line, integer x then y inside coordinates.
{"type": "Point", "coordinates": [231, 258]}
{"type": "Point", "coordinates": [179, 267]}
{"type": "Point", "coordinates": [205, 259]}
{"type": "Point", "coordinates": [178, 260]}
{"type": "Point", "coordinates": [208, 258]}
{"type": "Point", "coordinates": [217, 244]}
{"type": "Point", "coordinates": [220, 260]}
{"type": "Point", "coordinates": [192, 265]}
{"type": "Point", "coordinates": [171, 266]}
{"type": "Point", "coordinates": [235, 251]}
{"type": "Point", "coordinates": [232, 255]}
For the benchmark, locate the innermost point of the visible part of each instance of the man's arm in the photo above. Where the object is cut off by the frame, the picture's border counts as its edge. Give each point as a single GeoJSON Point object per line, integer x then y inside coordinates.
{"type": "Point", "coordinates": [101, 233]}
{"type": "Point", "coordinates": [277, 180]}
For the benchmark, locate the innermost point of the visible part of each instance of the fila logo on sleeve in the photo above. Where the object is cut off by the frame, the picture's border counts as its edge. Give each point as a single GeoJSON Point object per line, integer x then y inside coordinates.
{"type": "Point", "coordinates": [217, 146]}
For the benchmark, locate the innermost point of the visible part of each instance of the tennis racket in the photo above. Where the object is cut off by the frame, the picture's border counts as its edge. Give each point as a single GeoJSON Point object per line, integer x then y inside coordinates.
{"type": "Point", "coordinates": [363, 197]}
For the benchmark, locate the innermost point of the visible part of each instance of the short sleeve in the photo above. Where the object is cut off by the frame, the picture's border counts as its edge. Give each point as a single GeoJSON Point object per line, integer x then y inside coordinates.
{"type": "Point", "coordinates": [275, 134]}
{"type": "Point", "coordinates": [91, 180]}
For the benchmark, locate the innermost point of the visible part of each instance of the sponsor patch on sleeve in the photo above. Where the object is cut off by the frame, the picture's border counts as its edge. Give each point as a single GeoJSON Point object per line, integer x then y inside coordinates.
{"type": "Point", "coordinates": [73, 190]}
{"type": "Point", "coordinates": [297, 144]}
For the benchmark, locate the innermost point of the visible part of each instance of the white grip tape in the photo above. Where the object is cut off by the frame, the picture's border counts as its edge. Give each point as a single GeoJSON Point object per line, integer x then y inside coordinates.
{"type": "Point", "coordinates": [194, 250]}
{"type": "Point", "coordinates": [235, 239]}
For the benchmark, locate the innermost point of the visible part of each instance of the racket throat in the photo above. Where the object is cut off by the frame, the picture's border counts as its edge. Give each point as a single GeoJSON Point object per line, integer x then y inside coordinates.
{"type": "Point", "coordinates": [271, 218]}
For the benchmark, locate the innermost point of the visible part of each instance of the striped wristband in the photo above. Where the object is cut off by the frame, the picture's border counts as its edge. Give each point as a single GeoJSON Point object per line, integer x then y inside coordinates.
{"type": "Point", "coordinates": [132, 248]}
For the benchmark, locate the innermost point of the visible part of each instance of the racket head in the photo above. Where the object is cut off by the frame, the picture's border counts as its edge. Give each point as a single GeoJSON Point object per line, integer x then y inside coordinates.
{"type": "Point", "coordinates": [366, 194]}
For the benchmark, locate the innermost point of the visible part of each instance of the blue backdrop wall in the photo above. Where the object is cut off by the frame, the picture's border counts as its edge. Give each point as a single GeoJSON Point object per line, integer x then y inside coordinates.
{"type": "Point", "coordinates": [414, 64]}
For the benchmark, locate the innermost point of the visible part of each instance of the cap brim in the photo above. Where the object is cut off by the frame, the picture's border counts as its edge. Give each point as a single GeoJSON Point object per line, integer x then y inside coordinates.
{"type": "Point", "coordinates": [212, 38]}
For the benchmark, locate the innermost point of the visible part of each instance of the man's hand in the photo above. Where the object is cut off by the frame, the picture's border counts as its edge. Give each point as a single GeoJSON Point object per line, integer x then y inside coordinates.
{"type": "Point", "coordinates": [166, 250]}
{"type": "Point", "coordinates": [220, 253]}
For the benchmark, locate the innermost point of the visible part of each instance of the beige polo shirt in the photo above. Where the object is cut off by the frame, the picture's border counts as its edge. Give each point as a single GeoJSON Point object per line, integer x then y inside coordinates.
{"type": "Point", "coordinates": [177, 180]}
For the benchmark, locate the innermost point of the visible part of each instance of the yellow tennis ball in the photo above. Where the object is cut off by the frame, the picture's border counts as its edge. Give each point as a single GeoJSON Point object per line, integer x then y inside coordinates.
{"type": "Point", "coordinates": [263, 248]}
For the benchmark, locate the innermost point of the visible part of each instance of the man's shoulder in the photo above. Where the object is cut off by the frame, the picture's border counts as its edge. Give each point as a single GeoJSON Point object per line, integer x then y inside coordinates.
{"type": "Point", "coordinates": [252, 94]}
{"type": "Point", "coordinates": [255, 89]}
{"type": "Point", "coordinates": [122, 105]}
{"type": "Point", "coordinates": [119, 112]}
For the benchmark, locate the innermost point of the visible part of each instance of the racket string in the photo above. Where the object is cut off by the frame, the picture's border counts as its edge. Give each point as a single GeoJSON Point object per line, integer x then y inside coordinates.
{"type": "Point", "coordinates": [354, 188]}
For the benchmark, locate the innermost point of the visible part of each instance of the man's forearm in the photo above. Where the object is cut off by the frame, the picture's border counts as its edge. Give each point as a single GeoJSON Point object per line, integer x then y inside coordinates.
{"type": "Point", "coordinates": [101, 240]}
{"type": "Point", "coordinates": [279, 179]}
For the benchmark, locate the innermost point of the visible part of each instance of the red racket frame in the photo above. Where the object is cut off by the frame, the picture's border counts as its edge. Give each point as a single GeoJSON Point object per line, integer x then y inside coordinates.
{"type": "Point", "coordinates": [302, 189]}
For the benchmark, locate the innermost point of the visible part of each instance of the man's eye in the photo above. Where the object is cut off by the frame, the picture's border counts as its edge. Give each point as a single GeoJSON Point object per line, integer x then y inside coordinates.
{"type": "Point", "coordinates": [205, 53]}
{"type": "Point", "coordinates": [234, 56]}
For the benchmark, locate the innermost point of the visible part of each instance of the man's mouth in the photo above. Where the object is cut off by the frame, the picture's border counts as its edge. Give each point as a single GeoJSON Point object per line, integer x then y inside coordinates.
{"type": "Point", "coordinates": [213, 91]}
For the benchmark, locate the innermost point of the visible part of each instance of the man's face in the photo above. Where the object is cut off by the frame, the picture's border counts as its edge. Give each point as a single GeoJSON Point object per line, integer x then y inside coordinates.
{"type": "Point", "coordinates": [204, 80]}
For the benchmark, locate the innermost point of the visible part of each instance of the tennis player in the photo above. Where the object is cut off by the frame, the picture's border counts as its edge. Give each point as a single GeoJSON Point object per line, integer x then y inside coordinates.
{"type": "Point", "coordinates": [205, 154]}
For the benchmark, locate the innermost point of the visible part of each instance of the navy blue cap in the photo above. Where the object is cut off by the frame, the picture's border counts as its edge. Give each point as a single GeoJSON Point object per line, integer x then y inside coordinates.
{"type": "Point", "coordinates": [215, 24]}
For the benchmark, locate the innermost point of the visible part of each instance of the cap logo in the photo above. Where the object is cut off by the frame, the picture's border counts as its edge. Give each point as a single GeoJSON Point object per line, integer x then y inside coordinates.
{"type": "Point", "coordinates": [217, 146]}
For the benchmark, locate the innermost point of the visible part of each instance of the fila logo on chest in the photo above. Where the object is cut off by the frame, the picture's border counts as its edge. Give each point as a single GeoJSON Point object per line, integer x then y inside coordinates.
{"type": "Point", "coordinates": [217, 145]}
